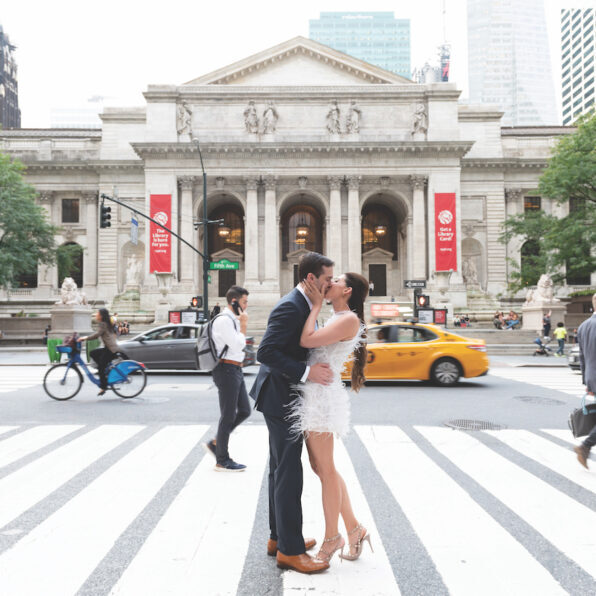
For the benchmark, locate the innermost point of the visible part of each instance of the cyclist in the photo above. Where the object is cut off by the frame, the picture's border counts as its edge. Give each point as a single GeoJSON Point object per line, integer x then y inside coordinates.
{"type": "Point", "coordinates": [103, 356]}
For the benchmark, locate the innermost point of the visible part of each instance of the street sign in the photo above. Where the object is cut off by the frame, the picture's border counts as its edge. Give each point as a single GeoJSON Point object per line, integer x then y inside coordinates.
{"type": "Point", "coordinates": [134, 231]}
{"type": "Point", "coordinates": [224, 264]}
{"type": "Point", "coordinates": [414, 283]}
{"type": "Point", "coordinates": [426, 315]}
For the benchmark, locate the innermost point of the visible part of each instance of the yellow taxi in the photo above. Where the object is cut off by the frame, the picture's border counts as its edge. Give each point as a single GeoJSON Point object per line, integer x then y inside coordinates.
{"type": "Point", "coordinates": [422, 352]}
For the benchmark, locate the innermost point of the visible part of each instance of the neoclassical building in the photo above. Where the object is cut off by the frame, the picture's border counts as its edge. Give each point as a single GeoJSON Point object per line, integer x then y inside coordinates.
{"type": "Point", "coordinates": [305, 148]}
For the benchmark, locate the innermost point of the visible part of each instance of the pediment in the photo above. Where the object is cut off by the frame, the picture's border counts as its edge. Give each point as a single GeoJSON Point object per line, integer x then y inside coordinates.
{"type": "Point", "coordinates": [227, 253]}
{"type": "Point", "coordinates": [300, 61]}
{"type": "Point", "coordinates": [378, 253]}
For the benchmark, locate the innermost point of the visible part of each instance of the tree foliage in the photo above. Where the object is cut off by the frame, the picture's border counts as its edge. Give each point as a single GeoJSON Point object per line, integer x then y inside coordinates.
{"type": "Point", "coordinates": [26, 236]}
{"type": "Point", "coordinates": [562, 247]}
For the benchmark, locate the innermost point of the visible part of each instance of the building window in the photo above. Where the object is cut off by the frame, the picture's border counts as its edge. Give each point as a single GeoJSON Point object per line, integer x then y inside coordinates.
{"type": "Point", "coordinates": [231, 233]}
{"type": "Point", "coordinates": [530, 257]}
{"type": "Point", "coordinates": [27, 280]}
{"type": "Point", "coordinates": [532, 203]}
{"type": "Point", "coordinates": [70, 210]}
{"type": "Point", "coordinates": [379, 229]}
{"type": "Point", "coordinates": [70, 263]}
{"type": "Point", "coordinates": [301, 229]}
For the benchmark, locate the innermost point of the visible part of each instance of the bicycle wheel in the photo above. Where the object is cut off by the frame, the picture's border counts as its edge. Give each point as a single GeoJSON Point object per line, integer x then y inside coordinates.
{"type": "Point", "coordinates": [131, 383]}
{"type": "Point", "coordinates": [61, 382]}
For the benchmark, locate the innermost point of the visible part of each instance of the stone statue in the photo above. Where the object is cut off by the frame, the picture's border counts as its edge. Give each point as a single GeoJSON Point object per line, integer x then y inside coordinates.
{"type": "Point", "coordinates": [270, 118]}
{"type": "Point", "coordinates": [70, 294]}
{"type": "Point", "coordinates": [469, 271]}
{"type": "Point", "coordinates": [333, 125]}
{"type": "Point", "coordinates": [353, 118]}
{"type": "Point", "coordinates": [134, 268]}
{"type": "Point", "coordinates": [251, 120]}
{"type": "Point", "coordinates": [420, 124]}
{"type": "Point", "coordinates": [184, 119]}
{"type": "Point", "coordinates": [543, 294]}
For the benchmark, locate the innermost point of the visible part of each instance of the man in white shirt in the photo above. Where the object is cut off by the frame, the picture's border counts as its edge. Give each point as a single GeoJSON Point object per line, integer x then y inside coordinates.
{"type": "Point", "coordinates": [229, 336]}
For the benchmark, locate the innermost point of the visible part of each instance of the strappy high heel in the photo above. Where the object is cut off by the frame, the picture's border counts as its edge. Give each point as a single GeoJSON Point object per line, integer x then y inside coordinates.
{"type": "Point", "coordinates": [358, 544]}
{"type": "Point", "coordinates": [324, 555]}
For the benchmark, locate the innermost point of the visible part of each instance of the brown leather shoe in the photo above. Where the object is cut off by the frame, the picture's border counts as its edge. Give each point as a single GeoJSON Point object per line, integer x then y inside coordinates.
{"type": "Point", "coordinates": [301, 563]}
{"type": "Point", "coordinates": [272, 545]}
{"type": "Point", "coordinates": [582, 455]}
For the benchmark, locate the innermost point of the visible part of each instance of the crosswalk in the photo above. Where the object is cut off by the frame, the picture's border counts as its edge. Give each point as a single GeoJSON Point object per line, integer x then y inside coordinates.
{"type": "Point", "coordinates": [17, 378]}
{"type": "Point", "coordinates": [561, 379]}
{"type": "Point", "coordinates": [139, 510]}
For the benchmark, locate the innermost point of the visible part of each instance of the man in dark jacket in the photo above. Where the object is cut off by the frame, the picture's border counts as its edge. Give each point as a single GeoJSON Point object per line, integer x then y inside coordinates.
{"type": "Point", "coordinates": [283, 364]}
{"type": "Point", "coordinates": [586, 338]}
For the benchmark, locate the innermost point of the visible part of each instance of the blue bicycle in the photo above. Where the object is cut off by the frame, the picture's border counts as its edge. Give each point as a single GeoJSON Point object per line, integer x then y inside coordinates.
{"type": "Point", "coordinates": [126, 378]}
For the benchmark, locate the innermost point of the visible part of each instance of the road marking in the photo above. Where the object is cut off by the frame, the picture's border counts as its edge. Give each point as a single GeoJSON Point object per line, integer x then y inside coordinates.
{"type": "Point", "coordinates": [563, 435]}
{"type": "Point", "coordinates": [85, 529]}
{"type": "Point", "coordinates": [30, 440]}
{"type": "Point", "coordinates": [208, 525]}
{"type": "Point", "coordinates": [23, 488]}
{"type": "Point", "coordinates": [558, 379]}
{"type": "Point", "coordinates": [560, 460]}
{"type": "Point", "coordinates": [567, 524]}
{"type": "Point", "coordinates": [167, 388]}
{"type": "Point", "coordinates": [6, 429]}
{"type": "Point", "coordinates": [468, 547]}
{"type": "Point", "coordinates": [372, 573]}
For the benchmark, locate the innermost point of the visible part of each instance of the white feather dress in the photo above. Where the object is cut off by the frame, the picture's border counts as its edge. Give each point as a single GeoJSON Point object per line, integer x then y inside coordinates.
{"type": "Point", "coordinates": [325, 408]}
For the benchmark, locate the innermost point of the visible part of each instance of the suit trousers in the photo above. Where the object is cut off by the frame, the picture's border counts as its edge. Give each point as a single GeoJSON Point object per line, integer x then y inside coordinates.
{"type": "Point", "coordinates": [285, 487]}
{"type": "Point", "coordinates": [234, 406]}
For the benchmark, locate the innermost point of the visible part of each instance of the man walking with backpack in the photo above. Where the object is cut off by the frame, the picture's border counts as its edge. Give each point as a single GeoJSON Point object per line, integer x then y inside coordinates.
{"type": "Point", "coordinates": [228, 331]}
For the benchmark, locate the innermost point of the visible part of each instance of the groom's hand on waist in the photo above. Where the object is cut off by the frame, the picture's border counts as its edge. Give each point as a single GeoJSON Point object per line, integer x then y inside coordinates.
{"type": "Point", "coordinates": [320, 373]}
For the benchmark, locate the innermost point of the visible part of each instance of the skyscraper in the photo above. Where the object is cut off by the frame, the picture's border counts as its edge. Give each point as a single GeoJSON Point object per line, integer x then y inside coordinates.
{"type": "Point", "coordinates": [577, 62]}
{"type": "Point", "coordinates": [376, 37]}
{"type": "Point", "coordinates": [509, 62]}
{"type": "Point", "coordinates": [10, 115]}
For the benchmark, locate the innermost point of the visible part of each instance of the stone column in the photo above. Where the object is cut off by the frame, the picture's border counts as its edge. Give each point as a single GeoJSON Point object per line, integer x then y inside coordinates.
{"type": "Point", "coordinates": [251, 234]}
{"type": "Point", "coordinates": [418, 257]}
{"type": "Point", "coordinates": [334, 250]}
{"type": "Point", "coordinates": [47, 276]}
{"type": "Point", "coordinates": [90, 260]}
{"type": "Point", "coordinates": [271, 236]}
{"type": "Point", "coordinates": [186, 231]}
{"type": "Point", "coordinates": [354, 225]}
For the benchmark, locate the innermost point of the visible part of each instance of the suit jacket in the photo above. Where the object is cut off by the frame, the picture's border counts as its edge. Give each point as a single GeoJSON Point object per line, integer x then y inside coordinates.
{"type": "Point", "coordinates": [586, 338]}
{"type": "Point", "coordinates": [283, 360]}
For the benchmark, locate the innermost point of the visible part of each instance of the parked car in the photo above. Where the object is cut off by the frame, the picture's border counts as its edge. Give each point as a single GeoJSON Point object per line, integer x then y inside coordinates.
{"type": "Point", "coordinates": [573, 358]}
{"type": "Point", "coordinates": [422, 352]}
{"type": "Point", "coordinates": [173, 346]}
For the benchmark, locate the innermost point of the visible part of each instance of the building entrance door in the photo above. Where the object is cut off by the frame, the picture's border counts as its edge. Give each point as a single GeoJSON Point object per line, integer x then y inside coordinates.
{"type": "Point", "coordinates": [377, 275]}
{"type": "Point", "coordinates": [227, 279]}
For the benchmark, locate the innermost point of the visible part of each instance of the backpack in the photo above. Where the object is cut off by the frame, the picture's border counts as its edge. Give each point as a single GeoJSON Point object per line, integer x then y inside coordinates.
{"type": "Point", "coordinates": [207, 355]}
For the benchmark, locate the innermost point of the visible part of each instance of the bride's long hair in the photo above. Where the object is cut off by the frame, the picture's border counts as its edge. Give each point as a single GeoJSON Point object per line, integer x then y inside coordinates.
{"type": "Point", "coordinates": [359, 285]}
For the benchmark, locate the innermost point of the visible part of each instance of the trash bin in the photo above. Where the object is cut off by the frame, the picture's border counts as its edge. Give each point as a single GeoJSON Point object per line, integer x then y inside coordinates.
{"type": "Point", "coordinates": [91, 345]}
{"type": "Point", "coordinates": [54, 356]}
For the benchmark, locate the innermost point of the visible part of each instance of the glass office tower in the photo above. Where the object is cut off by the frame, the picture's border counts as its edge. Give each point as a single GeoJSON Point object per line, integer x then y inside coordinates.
{"type": "Point", "coordinates": [509, 60]}
{"type": "Point", "coordinates": [376, 37]}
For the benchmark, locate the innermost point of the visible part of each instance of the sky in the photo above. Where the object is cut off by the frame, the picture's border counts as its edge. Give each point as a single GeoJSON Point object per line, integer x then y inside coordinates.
{"type": "Point", "coordinates": [68, 51]}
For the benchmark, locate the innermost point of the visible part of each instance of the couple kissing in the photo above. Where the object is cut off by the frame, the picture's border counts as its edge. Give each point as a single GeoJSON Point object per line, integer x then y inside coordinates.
{"type": "Point", "coordinates": [299, 391]}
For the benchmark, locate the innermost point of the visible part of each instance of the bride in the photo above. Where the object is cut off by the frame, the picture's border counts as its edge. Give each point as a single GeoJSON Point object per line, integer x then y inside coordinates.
{"type": "Point", "coordinates": [323, 410]}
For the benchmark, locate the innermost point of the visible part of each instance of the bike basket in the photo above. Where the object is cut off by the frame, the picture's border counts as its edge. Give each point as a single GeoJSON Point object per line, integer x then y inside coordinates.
{"type": "Point", "coordinates": [64, 349]}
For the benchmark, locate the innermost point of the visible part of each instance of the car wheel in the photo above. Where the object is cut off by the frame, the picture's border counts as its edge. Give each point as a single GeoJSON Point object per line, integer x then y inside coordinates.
{"type": "Point", "coordinates": [445, 372]}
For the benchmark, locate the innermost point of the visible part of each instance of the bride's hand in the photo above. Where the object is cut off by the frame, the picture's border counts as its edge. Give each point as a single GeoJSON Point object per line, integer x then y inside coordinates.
{"type": "Point", "coordinates": [314, 294]}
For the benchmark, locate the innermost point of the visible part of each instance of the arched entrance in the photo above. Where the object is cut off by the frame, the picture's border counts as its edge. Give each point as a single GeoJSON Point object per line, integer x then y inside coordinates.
{"type": "Point", "coordinates": [383, 240]}
{"type": "Point", "coordinates": [70, 263]}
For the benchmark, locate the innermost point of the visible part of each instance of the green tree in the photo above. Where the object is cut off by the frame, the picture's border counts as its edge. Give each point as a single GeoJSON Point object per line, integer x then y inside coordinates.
{"type": "Point", "coordinates": [26, 236]}
{"type": "Point", "coordinates": [562, 247]}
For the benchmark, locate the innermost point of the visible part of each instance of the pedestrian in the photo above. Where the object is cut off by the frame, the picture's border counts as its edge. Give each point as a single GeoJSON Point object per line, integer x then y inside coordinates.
{"type": "Point", "coordinates": [560, 333]}
{"type": "Point", "coordinates": [229, 336]}
{"type": "Point", "coordinates": [216, 310]}
{"type": "Point", "coordinates": [512, 320]}
{"type": "Point", "coordinates": [546, 323]}
{"type": "Point", "coordinates": [498, 320]}
{"type": "Point", "coordinates": [586, 338]}
{"type": "Point", "coordinates": [103, 356]}
{"type": "Point", "coordinates": [46, 334]}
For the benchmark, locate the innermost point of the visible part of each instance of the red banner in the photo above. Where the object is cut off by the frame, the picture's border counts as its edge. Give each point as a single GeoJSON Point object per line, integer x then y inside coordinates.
{"type": "Point", "coordinates": [160, 241]}
{"type": "Point", "coordinates": [445, 234]}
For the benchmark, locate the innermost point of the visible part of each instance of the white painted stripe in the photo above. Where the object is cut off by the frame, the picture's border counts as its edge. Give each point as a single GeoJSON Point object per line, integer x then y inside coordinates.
{"type": "Point", "coordinates": [171, 388]}
{"type": "Point", "coordinates": [563, 434]}
{"type": "Point", "coordinates": [31, 483]}
{"type": "Point", "coordinates": [559, 459]}
{"type": "Point", "coordinates": [372, 573]}
{"type": "Point", "coordinates": [31, 440]}
{"type": "Point", "coordinates": [468, 547]}
{"type": "Point", "coordinates": [200, 544]}
{"type": "Point", "coordinates": [567, 524]}
{"type": "Point", "coordinates": [85, 529]}
{"type": "Point", "coordinates": [5, 429]}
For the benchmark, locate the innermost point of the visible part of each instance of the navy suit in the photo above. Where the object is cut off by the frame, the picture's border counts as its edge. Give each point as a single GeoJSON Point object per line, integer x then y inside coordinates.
{"type": "Point", "coordinates": [283, 363]}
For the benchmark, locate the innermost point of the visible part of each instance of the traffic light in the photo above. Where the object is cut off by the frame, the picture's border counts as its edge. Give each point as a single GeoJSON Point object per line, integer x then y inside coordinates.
{"type": "Point", "coordinates": [196, 301]}
{"type": "Point", "coordinates": [422, 301]}
{"type": "Point", "coordinates": [104, 217]}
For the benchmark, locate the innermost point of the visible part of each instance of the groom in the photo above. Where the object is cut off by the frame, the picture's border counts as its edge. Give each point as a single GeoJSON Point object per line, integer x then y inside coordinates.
{"type": "Point", "coordinates": [283, 364]}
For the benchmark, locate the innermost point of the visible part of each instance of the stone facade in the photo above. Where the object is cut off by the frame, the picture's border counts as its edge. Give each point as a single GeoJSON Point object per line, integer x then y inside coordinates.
{"type": "Point", "coordinates": [304, 148]}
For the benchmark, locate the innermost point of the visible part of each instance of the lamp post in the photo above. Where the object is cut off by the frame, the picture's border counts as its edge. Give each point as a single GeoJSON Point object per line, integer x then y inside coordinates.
{"type": "Point", "coordinates": [205, 222]}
